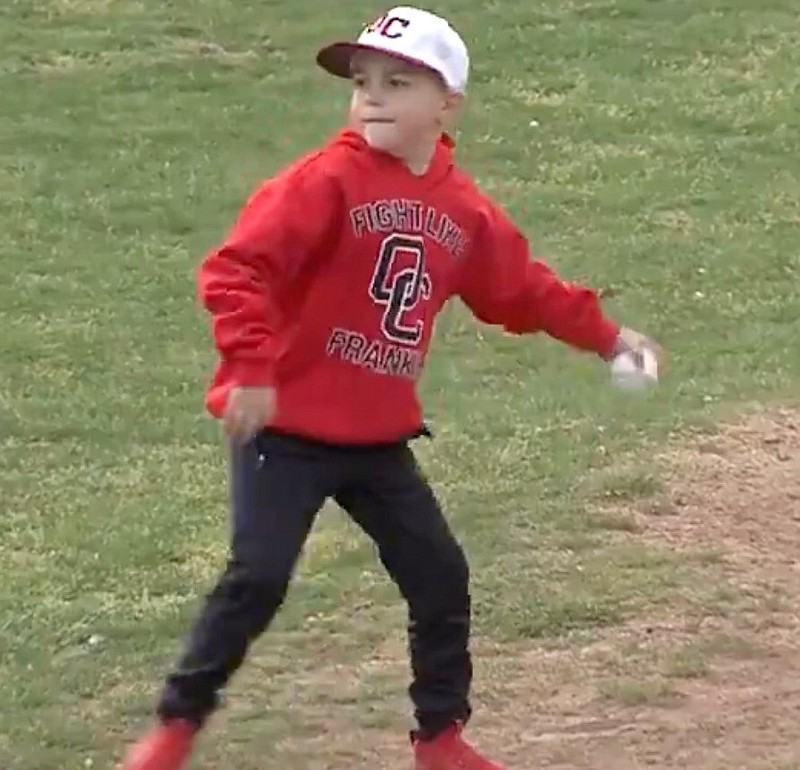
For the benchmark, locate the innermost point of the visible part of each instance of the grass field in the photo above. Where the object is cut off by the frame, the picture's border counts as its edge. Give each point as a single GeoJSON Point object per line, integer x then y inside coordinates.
{"type": "Point", "coordinates": [652, 147]}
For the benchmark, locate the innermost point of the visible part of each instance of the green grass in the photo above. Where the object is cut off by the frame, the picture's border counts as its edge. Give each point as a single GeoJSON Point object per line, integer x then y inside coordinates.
{"type": "Point", "coordinates": [651, 147]}
{"type": "Point", "coordinates": [640, 692]}
{"type": "Point", "coordinates": [694, 659]}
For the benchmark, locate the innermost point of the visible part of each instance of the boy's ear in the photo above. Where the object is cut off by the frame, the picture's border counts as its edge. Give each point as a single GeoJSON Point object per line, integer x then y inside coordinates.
{"type": "Point", "coordinates": [453, 103]}
{"type": "Point", "coordinates": [454, 100]}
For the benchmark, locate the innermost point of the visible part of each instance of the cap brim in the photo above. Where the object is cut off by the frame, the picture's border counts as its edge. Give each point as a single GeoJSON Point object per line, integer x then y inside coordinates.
{"type": "Point", "coordinates": [337, 58]}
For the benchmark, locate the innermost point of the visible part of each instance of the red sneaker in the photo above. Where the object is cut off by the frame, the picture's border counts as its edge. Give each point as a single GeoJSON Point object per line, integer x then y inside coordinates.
{"type": "Point", "coordinates": [449, 751]}
{"type": "Point", "coordinates": [166, 747]}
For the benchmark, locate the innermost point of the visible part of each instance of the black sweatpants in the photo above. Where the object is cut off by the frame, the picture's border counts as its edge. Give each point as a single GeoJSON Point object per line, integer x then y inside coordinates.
{"type": "Point", "coordinates": [278, 484]}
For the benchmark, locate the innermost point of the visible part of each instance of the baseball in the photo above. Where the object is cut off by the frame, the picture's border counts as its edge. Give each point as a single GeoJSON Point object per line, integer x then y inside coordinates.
{"type": "Point", "coordinates": [635, 369]}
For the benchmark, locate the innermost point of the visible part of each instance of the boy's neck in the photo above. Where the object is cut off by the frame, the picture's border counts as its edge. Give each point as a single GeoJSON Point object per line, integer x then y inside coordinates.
{"type": "Point", "coordinates": [418, 159]}
{"type": "Point", "coordinates": [419, 165]}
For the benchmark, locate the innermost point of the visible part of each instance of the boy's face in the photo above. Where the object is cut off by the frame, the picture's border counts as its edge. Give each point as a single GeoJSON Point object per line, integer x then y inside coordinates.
{"type": "Point", "coordinates": [396, 106]}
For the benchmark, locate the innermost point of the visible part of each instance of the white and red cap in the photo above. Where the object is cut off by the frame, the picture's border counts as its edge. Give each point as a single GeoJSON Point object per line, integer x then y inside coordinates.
{"type": "Point", "coordinates": [412, 35]}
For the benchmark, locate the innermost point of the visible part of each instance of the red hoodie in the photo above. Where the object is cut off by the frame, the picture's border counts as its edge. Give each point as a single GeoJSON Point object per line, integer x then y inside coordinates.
{"type": "Point", "coordinates": [328, 285]}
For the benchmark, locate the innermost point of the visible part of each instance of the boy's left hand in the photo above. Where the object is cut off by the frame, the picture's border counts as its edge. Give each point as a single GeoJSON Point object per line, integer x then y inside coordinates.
{"type": "Point", "coordinates": [249, 409]}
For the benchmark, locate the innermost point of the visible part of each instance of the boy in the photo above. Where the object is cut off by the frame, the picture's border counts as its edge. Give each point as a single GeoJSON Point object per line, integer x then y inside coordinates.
{"type": "Point", "coordinates": [322, 300]}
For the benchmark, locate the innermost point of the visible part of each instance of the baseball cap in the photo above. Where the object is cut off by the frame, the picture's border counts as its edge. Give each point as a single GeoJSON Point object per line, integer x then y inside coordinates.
{"type": "Point", "coordinates": [412, 35]}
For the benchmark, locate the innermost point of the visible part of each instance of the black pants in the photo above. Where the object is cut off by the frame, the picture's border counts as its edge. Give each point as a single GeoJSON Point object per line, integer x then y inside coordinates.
{"type": "Point", "coordinates": [278, 484]}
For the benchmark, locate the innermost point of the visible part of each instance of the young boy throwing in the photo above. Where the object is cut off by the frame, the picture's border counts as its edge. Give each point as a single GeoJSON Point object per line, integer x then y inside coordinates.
{"type": "Point", "coordinates": [323, 299]}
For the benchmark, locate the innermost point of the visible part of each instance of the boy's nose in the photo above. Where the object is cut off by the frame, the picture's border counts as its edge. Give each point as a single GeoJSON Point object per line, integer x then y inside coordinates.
{"type": "Point", "coordinates": [374, 97]}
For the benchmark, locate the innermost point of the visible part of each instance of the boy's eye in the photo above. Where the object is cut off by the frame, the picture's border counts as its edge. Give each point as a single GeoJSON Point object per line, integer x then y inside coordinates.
{"type": "Point", "coordinates": [398, 82]}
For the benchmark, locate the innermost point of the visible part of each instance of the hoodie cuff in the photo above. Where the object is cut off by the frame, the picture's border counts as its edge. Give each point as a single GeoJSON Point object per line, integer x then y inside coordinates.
{"type": "Point", "coordinates": [608, 340]}
{"type": "Point", "coordinates": [253, 373]}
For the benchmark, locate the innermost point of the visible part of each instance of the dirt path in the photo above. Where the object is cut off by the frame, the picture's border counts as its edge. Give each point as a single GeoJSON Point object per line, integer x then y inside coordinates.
{"type": "Point", "coordinates": [713, 692]}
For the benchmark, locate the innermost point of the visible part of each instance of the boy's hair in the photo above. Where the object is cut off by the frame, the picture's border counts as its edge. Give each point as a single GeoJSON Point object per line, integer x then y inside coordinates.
{"type": "Point", "coordinates": [412, 35]}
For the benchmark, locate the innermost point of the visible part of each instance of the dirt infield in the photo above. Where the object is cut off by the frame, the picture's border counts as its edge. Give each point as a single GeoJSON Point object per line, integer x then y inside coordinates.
{"type": "Point", "coordinates": [716, 689]}
{"type": "Point", "coordinates": [677, 691]}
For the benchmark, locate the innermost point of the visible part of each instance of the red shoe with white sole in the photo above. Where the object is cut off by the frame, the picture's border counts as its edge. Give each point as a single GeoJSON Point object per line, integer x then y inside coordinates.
{"type": "Point", "coordinates": [449, 751]}
{"type": "Point", "coordinates": [165, 747]}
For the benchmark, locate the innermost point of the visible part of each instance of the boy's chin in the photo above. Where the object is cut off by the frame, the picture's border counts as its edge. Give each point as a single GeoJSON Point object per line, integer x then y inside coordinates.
{"type": "Point", "coordinates": [379, 138]}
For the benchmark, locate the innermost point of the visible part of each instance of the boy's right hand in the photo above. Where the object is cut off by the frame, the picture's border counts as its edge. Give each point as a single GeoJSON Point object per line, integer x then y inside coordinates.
{"type": "Point", "coordinates": [631, 340]}
{"type": "Point", "coordinates": [249, 409]}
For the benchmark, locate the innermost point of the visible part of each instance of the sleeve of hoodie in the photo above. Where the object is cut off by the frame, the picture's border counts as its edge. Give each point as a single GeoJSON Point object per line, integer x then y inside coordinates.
{"type": "Point", "coordinates": [282, 230]}
{"type": "Point", "coordinates": [502, 285]}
